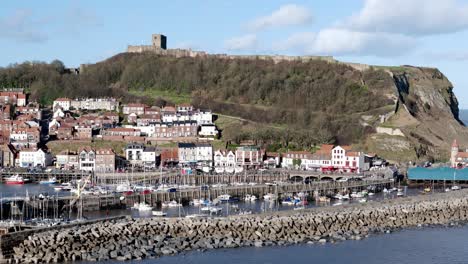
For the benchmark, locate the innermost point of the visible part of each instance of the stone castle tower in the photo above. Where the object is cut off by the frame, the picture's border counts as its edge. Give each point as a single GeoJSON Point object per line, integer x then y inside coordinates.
{"type": "Point", "coordinates": [159, 41]}
{"type": "Point", "coordinates": [454, 154]}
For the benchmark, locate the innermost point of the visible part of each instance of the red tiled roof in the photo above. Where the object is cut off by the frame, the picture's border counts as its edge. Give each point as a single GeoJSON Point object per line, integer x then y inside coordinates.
{"type": "Point", "coordinates": [105, 151]}
{"type": "Point", "coordinates": [352, 154]}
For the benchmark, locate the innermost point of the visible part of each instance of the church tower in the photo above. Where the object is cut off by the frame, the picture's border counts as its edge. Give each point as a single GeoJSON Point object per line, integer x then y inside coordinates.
{"type": "Point", "coordinates": [454, 154]}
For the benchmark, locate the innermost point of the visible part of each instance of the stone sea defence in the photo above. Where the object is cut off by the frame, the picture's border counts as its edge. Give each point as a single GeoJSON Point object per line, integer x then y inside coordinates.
{"type": "Point", "coordinates": [148, 238]}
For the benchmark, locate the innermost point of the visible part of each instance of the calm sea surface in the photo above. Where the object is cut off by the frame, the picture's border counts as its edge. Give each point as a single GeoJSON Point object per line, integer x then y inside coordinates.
{"type": "Point", "coordinates": [427, 245]}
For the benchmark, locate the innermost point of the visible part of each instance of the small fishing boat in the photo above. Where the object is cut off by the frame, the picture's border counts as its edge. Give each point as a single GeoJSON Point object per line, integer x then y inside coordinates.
{"type": "Point", "coordinates": [158, 213]}
{"type": "Point", "coordinates": [455, 188]}
{"type": "Point", "coordinates": [400, 193]}
{"type": "Point", "coordinates": [427, 189]}
{"type": "Point", "coordinates": [298, 208]}
{"type": "Point", "coordinates": [363, 200]}
{"type": "Point", "coordinates": [371, 194]}
{"type": "Point", "coordinates": [447, 190]}
{"type": "Point", "coordinates": [52, 180]}
{"type": "Point", "coordinates": [15, 179]}
{"type": "Point", "coordinates": [338, 204]}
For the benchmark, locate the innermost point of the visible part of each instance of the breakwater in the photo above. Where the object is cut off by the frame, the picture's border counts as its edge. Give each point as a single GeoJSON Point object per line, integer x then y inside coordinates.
{"type": "Point", "coordinates": [146, 238]}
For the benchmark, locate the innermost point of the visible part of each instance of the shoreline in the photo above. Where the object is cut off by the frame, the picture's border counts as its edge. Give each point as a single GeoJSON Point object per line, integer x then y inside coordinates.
{"type": "Point", "coordinates": [153, 237]}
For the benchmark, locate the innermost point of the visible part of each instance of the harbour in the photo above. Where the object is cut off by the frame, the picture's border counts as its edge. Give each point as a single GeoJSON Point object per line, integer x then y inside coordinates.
{"type": "Point", "coordinates": [148, 238]}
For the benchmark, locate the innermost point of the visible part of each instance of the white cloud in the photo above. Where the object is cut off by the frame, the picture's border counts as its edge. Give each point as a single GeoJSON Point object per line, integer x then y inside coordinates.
{"type": "Point", "coordinates": [297, 41]}
{"type": "Point", "coordinates": [245, 42]}
{"type": "Point", "coordinates": [286, 15]}
{"type": "Point", "coordinates": [415, 17]}
{"type": "Point", "coordinates": [335, 41]}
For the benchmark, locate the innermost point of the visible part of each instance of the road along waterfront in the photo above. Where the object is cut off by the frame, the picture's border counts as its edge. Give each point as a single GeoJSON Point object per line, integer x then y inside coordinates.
{"type": "Point", "coordinates": [151, 237]}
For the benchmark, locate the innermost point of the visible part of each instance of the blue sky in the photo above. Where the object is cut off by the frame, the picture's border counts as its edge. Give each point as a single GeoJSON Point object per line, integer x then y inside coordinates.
{"type": "Point", "coordinates": [417, 32]}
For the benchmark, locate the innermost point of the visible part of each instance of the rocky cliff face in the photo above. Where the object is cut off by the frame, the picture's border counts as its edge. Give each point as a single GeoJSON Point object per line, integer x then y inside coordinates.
{"type": "Point", "coordinates": [426, 112]}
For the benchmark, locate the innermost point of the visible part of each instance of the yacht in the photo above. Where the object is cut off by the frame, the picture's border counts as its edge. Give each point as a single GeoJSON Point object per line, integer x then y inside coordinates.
{"type": "Point", "coordinates": [250, 198]}
{"type": "Point", "coordinates": [123, 188]}
{"type": "Point", "coordinates": [63, 187]}
{"type": "Point", "coordinates": [198, 202]}
{"type": "Point", "coordinates": [224, 197]}
{"type": "Point", "coordinates": [341, 197]}
{"type": "Point", "coordinates": [142, 207]}
{"type": "Point", "coordinates": [171, 204]}
{"type": "Point", "coordinates": [288, 201]}
{"type": "Point", "coordinates": [52, 180]}
{"type": "Point", "coordinates": [158, 213]}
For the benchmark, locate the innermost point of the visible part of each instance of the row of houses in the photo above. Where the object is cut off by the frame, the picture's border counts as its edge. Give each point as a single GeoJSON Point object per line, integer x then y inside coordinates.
{"type": "Point", "coordinates": [329, 158]}
{"type": "Point", "coordinates": [109, 104]}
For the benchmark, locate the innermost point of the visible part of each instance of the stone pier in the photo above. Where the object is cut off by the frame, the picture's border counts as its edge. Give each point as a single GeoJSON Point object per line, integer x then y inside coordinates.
{"type": "Point", "coordinates": [148, 238]}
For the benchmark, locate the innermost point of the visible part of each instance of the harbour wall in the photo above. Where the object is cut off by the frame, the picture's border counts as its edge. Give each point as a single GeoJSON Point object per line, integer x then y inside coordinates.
{"type": "Point", "coordinates": [153, 237]}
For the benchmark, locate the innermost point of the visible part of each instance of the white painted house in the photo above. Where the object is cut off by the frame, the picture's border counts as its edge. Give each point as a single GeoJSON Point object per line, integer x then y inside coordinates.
{"type": "Point", "coordinates": [149, 157]}
{"type": "Point", "coordinates": [208, 130]}
{"type": "Point", "coordinates": [200, 154]}
{"type": "Point", "coordinates": [134, 153]}
{"type": "Point", "coordinates": [34, 157]}
{"type": "Point", "coordinates": [224, 161]}
{"type": "Point", "coordinates": [87, 159]}
{"type": "Point", "coordinates": [64, 103]}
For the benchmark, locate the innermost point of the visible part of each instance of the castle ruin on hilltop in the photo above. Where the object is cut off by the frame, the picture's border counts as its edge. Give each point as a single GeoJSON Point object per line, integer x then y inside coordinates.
{"type": "Point", "coordinates": [159, 46]}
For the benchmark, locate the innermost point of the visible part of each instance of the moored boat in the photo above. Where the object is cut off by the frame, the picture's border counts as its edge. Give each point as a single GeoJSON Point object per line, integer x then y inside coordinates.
{"type": "Point", "coordinates": [158, 213]}
{"type": "Point", "coordinates": [15, 179]}
{"type": "Point", "coordinates": [171, 204]}
{"type": "Point", "coordinates": [224, 197]}
{"type": "Point", "coordinates": [250, 198]}
{"type": "Point", "coordinates": [52, 180]}
{"type": "Point", "coordinates": [323, 199]}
